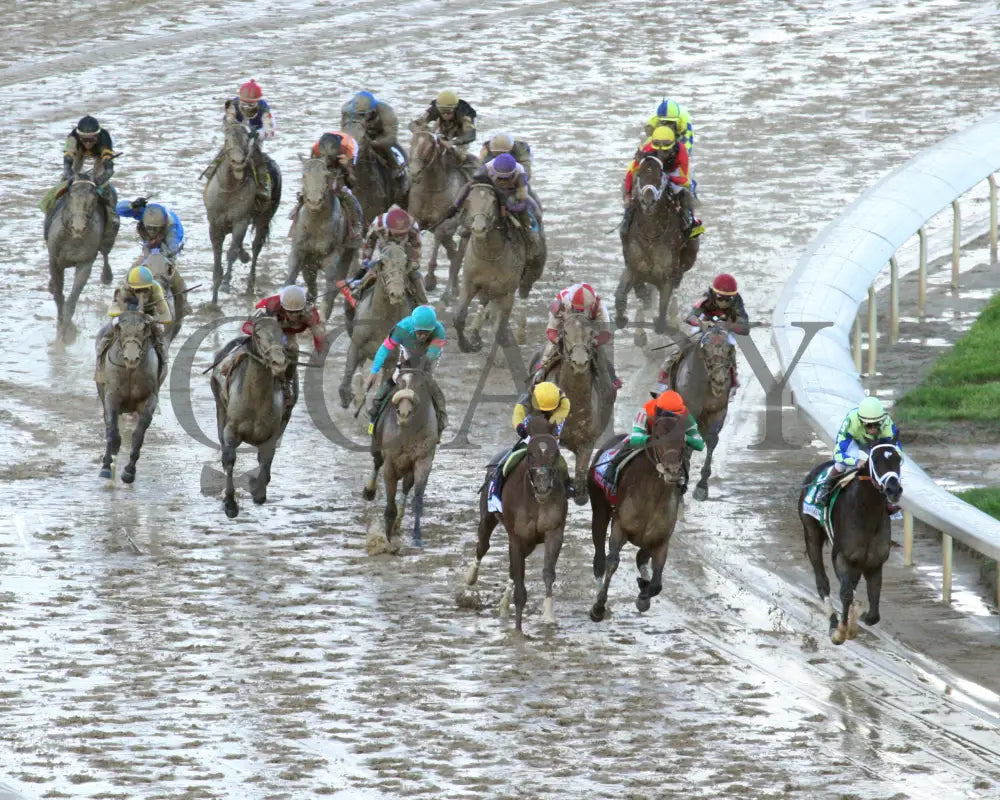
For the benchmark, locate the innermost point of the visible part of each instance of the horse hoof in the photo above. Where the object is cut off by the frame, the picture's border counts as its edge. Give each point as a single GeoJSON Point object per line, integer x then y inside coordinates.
{"type": "Point", "coordinates": [643, 583]}
{"type": "Point", "coordinates": [417, 541]}
{"type": "Point", "coordinates": [838, 636]}
{"type": "Point", "coordinates": [128, 475]}
{"type": "Point", "coordinates": [870, 619]}
{"type": "Point", "coordinates": [642, 603]}
{"type": "Point", "coordinates": [581, 498]}
{"type": "Point", "coordinates": [430, 282]}
{"type": "Point", "coordinates": [700, 493]}
{"type": "Point", "coordinates": [621, 321]}
{"type": "Point", "coordinates": [243, 256]}
{"type": "Point", "coordinates": [640, 339]}
{"type": "Point", "coordinates": [368, 493]}
{"type": "Point", "coordinates": [105, 473]}
{"type": "Point", "coordinates": [232, 510]}
{"type": "Point", "coordinates": [345, 398]}
{"type": "Point", "coordinates": [260, 499]}
{"type": "Point", "coordinates": [659, 326]}
{"type": "Point", "coordinates": [596, 614]}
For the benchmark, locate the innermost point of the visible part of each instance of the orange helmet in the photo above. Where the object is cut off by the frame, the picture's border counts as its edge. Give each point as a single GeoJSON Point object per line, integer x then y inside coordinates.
{"type": "Point", "coordinates": [670, 401]}
{"type": "Point", "coordinates": [250, 92]}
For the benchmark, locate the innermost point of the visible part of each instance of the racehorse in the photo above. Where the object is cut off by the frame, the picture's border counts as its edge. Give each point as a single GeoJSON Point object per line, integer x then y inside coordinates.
{"type": "Point", "coordinates": [859, 519]}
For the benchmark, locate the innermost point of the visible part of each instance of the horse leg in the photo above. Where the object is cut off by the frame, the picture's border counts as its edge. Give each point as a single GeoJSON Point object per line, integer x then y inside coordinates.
{"type": "Point", "coordinates": [259, 237]}
{"type": "Point", "coordinates": [293, 267]}
{"type": "Point", "coordinates": [655, 585]}
{"type": "Point", "coordinates": [330, 265]}
{"type": "Point", "coordinates": [454, 267]}
{"type": "Point", "coordinates": [463, 312]}
{"type": "Point", "coordinates": [235, 251]}
{"type": "Point", "coordinates": [615, 546]}
{"type": "Point", "coordinates": [265, 455]}
{"type": "Point", "coordinates": [450, 249]}
{"type": "Point", "coordinates": [665, 292]}
{"type": "Point", "coordinates": [517, 558]}
{"type": "Point", "coordinates": [553, 545]}
{"type": "Point", "coordinates": [79, 281]}
{"type": "Point", "coordinates": [113, 441]}
{"type": "Point", "coordinates": [56, 280]}
{"type": "Point", "coordinates": [642, 564]}
{"type": "Point", "coordinates": [106, 275]}
{"type": "Point", "coordinates": [849, 578]}
{"type": "Point", "coordinates": [345, 390]}
{"type": "Point", "coordinates": [401, 505]}
{"type": "Point", "coordinates": [430, 279]}
{"type": "Point", "coordinates": [368, 493]}
{"type": "Point", "coordinates": [600, 518]}
{"type": "Point", "coordinates": [488, 522]}
{"type": "Point", "coordinates": [218, 237]}
{"type": "Point", "coordinates": [873, 581]}
{"type": "Point", "coordinates": [229, 444]}
{"type": "Point", "coordinates": [581, 463]}
{"type": "Point", "coordinates": [391, 512]}
{"type": "Point", "coordinates": [142, 425]}
{"type": "Point", "coordinates": [504, 335]}
{"type": "Point", "coordinates": [421, 473]}
{"type": "Point", "coordinates": [711, 441]}
{"type": "Point", "coordinates": [625, 284]}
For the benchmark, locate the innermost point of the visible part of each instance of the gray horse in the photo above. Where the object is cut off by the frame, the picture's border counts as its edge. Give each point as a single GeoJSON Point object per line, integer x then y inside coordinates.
{"type": "Point", "coordinates": [231, 202]}
{"type": "Point", "coordinates": [590, 394]}
{"type": "Point", "coordinates": [654, 247]}
{"type": "Point", "coordinates": [77, 230]}
{"type": "Point", "coordinates": [162, 271]}
{"type": "Point", "coordinates": [405, 440]}
{"type": "Point", "coordinates": [320, 234]}
{"type": "Point", "coordinates": [131, 386]}
{"type": "Point", "coordinates": [380, 309]}
{"type": "Point", "coordinates": [435, 183]}
{"type": "Point", "coordinates": [703, 377]}
{"type": "Point", "coordinates": [250, 405]}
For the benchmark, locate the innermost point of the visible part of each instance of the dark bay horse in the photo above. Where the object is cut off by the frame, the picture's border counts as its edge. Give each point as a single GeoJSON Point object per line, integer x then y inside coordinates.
{"type": "Point", "coordinates": [375, 184]}
{"type": "Point", "coordinates": [703, 377]}
{"type": "Point", "coordinates": [435, 183]}
{"type": "Point", "coordinates": [231, 202]}
{"type": "Point", "coordinates": [131, 386]}
{"type": "Point", "coordinates": [76, 230]}
{"type": "Point", "coordinates": [534, 512]}
{"type": "Point", "coordinates": [655, 249]}
{"type": "Point", "coordinates": [861, 536]}
{"type": "Point", "coordinates": [648, 497]}
{"type": "Point", "coordinates": [250, 406]}
{"type": "Point", "coordinates": [405, 441]}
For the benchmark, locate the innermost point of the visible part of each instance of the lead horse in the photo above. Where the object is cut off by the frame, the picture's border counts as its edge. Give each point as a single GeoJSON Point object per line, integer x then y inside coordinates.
{"type": "Point", "coordinates": [860, 540]}
{"type": "Point", "coordinates": [654, 247]}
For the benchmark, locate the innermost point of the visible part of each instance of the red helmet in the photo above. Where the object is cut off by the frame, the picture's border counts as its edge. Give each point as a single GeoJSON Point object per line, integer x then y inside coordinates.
{"type": "Point", "coordinates": [582, 296]}
{"type": "Point", "coordinates": [724, 284]}
{"type": "Point", "coordinates": [398, 221]}
{"type": "Point", "coordinates": [250, 92]}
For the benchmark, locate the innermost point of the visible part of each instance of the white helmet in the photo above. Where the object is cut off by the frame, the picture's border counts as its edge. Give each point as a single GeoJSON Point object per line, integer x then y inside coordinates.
{"type": "Point", "coordinates": [293, 298]}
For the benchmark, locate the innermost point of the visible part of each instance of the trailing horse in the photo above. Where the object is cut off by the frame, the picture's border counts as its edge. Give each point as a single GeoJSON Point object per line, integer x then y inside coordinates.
{"type": "Point", "coordinates": [435, 183]}
{"type": "Point", "coordinates": [321, 234]}
{"type": "Point", "coordinates": [251, 405]}
{"type": "Point", "coordinates": [655, 249]}
{"type": "Point", "coordinates": [377, 313]}
{"type": "Point", "coordinates": [374, 178]}
{"type": "Point", "coordinates": [645, 513]}
{"type": "Point", "coordinates": [131, 385]}
{"type": "Point", "coordinates": [404, 441]}
{"type": "Point", "coordinates": [859, 532]}
{"type": "Point", "coordinates": [232, 205]}
{"type": "Point", "coordinates": [76, 230]}
{"type": "Point", "coordinates": [703, 376]}
{"type": "Point", "coordinates": [534, 512]}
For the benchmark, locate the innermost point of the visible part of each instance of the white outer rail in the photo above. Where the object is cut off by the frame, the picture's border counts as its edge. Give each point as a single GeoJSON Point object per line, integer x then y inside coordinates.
{"type": "Point", "coordinates": [836, 274]}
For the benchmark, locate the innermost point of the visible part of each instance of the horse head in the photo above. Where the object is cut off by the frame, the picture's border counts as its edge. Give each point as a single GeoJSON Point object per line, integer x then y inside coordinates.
{"type": "Point", "coordinates": [542, 460]}
{"type": "Point", "coordinates": [80, 205]}
{"type": "Point", "coordinates": [666, 446]}
{"type": "Point", "coordinates": [133, 338]}
{"type": "Point", "coordinates": [578, 343]}
{"type": "Point", "coordinates": [391, 270]}
{"type": "Point", "coordinates": [717, 353]}
{"type": "Point", "coordinates": [650, 181]}
{"type": "Point", "coordinates": [425, 149]}
{"type": "Point", "coordinates": [482, 209]}
{"type": "Point", "coordinates": [238, 147]}
{"type": "Point", "coordinates": [267, 345]}
{"type": "Point", "coordinates": [884, 461]}
{"type": "Point", "coordinates": [315, 183]}
{"type": "Point", "coordinates": [407, 396]}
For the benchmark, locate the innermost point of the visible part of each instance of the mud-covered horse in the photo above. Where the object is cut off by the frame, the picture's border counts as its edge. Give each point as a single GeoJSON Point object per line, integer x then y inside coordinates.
{"type": "Point", "coordinates": [251, 405]}
{"type": "Point", "coordinates": [703, 375]}
{"type": "Point", "coordinates": [645, 514]}
{"type": "Point", "coordinates": [76, 230]}
{"type": "Point", "coordinates": [385, 304]}
{"type": "Point", "coordinates": [233, 206]}
{"type": "Point", "coordinates": [534, 512]}
{"type": "Point", "coordinates": [376, 185]}
{"type": "Point", "coordinates": [163, 271]}
{"type": "Point", "coordinates": [321, 234]}
{"type": "Point", "coordinates": [655, 248]}
{"type": "Point", "coordinates": [859, 519]}
{"type": "Point", "coordinates": [404, 442]}
{"type": "Point", "coordinates": [132, 376]}
{"type": "Point", "coordinates": [435, 182]}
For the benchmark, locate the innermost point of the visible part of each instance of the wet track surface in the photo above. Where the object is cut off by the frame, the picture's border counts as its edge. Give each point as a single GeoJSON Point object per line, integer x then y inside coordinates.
{"type": "Point", "coordinates": [155, 649]}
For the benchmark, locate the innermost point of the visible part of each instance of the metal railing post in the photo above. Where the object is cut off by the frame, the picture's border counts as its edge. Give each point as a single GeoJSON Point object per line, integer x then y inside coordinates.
{"type": "Point", "coordinates": [856, 343]}
{"type": "Point", "coordinates": [872, 331]}
{"type": "Point", "coordinates": [956, 241]}
{"type": "Point", "coordinates": [993, 217]}
{"type": "Point", "coordinates": [922, 274]}
{"type": "Point", "coordinates": [907, 539]}
{"type": "Point", "coordinates": [893, 300]}
{"type": "Point", "coordinates": [946, 552]}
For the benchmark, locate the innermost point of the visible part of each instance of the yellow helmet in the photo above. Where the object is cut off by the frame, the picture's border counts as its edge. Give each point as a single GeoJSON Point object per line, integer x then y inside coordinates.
{"type": "Point", "coordinates": [140, 278]}
{"type": "Point", "coordinates": [447, 100]}
{"type": "Point", "coordinates": [546, 396]}
{"type": "Point", "coordinates": [663, 138]}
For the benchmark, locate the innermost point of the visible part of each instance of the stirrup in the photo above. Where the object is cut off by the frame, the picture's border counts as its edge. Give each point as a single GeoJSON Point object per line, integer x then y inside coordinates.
{"type": "Point", "coordinates": [697, 230]}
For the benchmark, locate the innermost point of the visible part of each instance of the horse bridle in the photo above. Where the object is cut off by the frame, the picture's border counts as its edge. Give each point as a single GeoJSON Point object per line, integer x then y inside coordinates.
{"type": "Point", "coordinates": [416, 174]}
{"type": "Point", "coordinates": [880, 480]}
{"type": "Point", "coordinates": [262, 355]}
{"type": "Point", "coordinates": [141, 342]}
{"type": "Point", "coordinates": [661, 468]}
{"type": "Point", "coordinates": [544, 469]}
{"type": "Point", "coordinates": [656, 191]}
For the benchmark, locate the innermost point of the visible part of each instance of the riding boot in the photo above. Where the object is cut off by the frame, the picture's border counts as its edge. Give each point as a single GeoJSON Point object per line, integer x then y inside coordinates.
{"type": "Point", "coordinates": [437, 398]}
{"type": "Point", "coordinates": [378, 401]}
{"type": "Point", "coordinates": [103, 343]}
{"type": "Point", "coordinates": [692, 226]}
{"type": "Point", "coordinates": [626, 222]}
{"type": "Point", "coordinates": [822, 496]}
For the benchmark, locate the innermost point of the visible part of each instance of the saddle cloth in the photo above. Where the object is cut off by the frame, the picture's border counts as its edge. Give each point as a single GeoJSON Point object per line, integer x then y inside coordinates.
{"type": "Point", "coordinates": [605, 460]}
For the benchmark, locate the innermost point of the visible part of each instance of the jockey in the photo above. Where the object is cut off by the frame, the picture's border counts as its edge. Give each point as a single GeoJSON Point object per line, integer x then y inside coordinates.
{"type": "Point", "coordinates": [88, 146]}
{"type": "Point", "coordinates": [250, 107]}
{"type": "Point", "coordinates": [161, 232]}
{"type": "Point", "coordinates": [673, 155]}
{"type": "Point", "coordinates": [340, 153]}
{"type": "Point", "coordinates": [421, 330]}
{"type": "Point", "coordinates": [381, 127]}
{"type": "Point", "coordinates": [863, 427]}
{"type": "Point", "coordinates": [675, 117]}
{"type": "Point", "coordinates": [724, 302]}
{"type": "Point", "coordinates": [454, 121]}
{"type": "Point", "coordinates": [672, 404]}
{"type": "Point", "coordinates": [139, 292]}
{"type": "Point", "coordinates": [395, 226]}
{"type": "Point", "coordinates": [580, 298]}
{"type": "Point", "coordinates": [505, 143]}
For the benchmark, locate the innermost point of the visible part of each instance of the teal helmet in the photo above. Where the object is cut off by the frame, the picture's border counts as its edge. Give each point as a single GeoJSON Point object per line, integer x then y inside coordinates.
{"type": "Point", "coordinates": [424, 318]}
